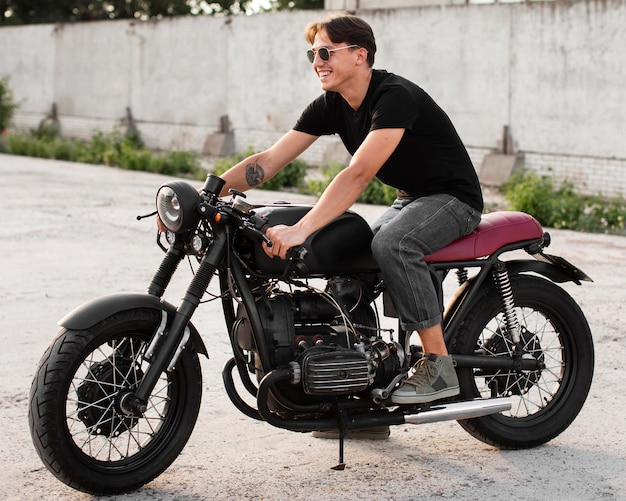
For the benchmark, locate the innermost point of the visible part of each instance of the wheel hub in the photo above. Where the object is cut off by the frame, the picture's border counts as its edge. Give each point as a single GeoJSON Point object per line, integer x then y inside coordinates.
{"type": "Point", "coordinates": [515, 383]}
{"type": "Point", "coordinates": [100, 395]}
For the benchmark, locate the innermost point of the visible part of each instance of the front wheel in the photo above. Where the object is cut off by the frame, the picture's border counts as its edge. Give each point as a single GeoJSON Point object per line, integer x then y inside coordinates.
{"type": "Point", "coordinates": [555, 332]}
{"type": "Point", "coordinates": [76, 424]}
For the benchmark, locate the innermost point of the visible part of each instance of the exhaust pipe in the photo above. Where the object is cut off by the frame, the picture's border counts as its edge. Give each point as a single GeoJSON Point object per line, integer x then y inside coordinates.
{"type": "Point", "coordinates": [443, 412]}
{"type": "Point", "coordinates": [461, 410]}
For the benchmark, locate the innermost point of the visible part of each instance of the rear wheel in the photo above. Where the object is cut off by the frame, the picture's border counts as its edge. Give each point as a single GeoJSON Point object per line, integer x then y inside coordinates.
{"type": "Point", "coordinates": [555, 332]}
{"type": "Point", "coordinates": [76, 423]}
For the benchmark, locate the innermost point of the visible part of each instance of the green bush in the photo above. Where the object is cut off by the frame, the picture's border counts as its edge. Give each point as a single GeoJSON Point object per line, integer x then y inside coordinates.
{"type": "Point", "coordinates": [376, 192]}
{"type": "Point", "coordinates": [292, 176]}
{"type": "Point", "coordinates": [560, 206]}
{"type": "Point", "coordinates": [222, 164]}
{"type": "Point", "coordinates": [116, 149]}
{"type": "Point", "coordinates": [7, 104]}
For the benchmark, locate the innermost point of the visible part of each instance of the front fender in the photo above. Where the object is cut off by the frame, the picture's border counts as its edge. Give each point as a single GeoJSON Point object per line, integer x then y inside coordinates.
{"type": "Point", "coordinates": [90, 313]}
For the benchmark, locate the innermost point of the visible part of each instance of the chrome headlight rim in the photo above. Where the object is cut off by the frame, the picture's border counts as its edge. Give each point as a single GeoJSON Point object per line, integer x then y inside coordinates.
{"type": "Point", "coordinates": [177, 206]}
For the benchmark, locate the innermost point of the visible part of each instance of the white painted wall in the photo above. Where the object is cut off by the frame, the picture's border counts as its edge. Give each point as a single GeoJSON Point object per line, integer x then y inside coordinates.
{"type": "Point", "coordinates": [553, 72]}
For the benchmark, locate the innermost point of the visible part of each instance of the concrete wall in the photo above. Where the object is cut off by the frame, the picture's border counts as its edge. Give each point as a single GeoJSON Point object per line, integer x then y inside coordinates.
{"type": "Point", "coordinates": [553, 72]}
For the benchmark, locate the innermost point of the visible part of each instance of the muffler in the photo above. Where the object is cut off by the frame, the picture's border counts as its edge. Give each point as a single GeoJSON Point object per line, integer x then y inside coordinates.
{"type": "Point", "coordinates": [460, 410]}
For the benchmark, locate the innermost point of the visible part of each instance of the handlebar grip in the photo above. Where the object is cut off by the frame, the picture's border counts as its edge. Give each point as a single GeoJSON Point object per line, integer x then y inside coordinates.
{"type": "Point", "coordinates": [259, 233]}
{"type": "Point", "coordinates": [260, 225]}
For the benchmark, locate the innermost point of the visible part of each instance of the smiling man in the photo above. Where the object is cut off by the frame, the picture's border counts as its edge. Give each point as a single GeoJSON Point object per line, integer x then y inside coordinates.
{"type": "Point", "coordinates": [396, 132]}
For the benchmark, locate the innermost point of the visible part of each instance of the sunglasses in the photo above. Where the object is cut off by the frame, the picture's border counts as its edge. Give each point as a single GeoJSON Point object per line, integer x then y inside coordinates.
{"type": "Point", "coordinates": [324, 53]}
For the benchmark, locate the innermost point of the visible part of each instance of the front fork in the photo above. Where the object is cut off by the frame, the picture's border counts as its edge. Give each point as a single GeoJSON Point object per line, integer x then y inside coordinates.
{"type": "Point", "coordinates": [168, 341]}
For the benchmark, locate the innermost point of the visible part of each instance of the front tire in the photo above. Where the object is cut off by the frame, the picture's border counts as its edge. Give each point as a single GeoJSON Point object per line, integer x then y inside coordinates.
{"type": "Point", "coordinates": [76, 424]}
{"type": "Point", "coordinates": [555, 332]}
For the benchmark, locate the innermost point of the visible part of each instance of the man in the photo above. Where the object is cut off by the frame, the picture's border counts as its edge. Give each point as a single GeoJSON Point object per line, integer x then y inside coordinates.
{"type": "Point", "coordinates": [397, 133]}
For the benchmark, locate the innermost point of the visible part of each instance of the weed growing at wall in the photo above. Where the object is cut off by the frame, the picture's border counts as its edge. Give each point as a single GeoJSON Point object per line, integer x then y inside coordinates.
{"type": "Point", "coordinates": [116, 149]}
{"type": "Point", "coordinates": [561, 206]}
{"type": "Point", "coordinates": [376, 192]}
{"type": "Point", "coordinates": [7, 108]}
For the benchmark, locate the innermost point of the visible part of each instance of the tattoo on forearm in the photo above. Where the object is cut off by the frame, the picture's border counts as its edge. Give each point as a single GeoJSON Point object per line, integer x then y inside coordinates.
{"type": "Point", "coordinates": [254, 174]}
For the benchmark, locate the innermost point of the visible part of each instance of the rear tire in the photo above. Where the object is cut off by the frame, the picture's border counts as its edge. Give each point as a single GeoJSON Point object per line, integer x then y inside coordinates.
{"type": "Point", "coordinates": [545, 402]}
{"type": "Point", "coordinates": [76, 425]}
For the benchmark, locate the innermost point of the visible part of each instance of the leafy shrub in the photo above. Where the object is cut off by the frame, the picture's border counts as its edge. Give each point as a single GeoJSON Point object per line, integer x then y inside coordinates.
{"type": "Point", "coordinates": [328, 172]}
{"type": "Point", "coordinates": [116, 149]}
{"type": "Point", "coordinates": [7, 104]}
{"type": "Point", "coordinates": [292, 176]}
{"type": "Point", "coordinates": [222, 164]}
{"type": "Point", "coordinates": [376, 192]}
{"type": "Point", "coordinates": [560, 206]}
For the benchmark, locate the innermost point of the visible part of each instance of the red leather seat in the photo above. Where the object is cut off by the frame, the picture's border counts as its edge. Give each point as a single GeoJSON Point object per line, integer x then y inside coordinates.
{"type": "Point", "coordinates": [494, 230]}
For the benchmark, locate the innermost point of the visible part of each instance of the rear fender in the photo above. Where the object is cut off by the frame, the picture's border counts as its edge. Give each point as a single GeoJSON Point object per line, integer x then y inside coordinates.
{"type": "Point", "coordinates": [554, 268]}
{"type": "Point", "coordinates": [90, 313]}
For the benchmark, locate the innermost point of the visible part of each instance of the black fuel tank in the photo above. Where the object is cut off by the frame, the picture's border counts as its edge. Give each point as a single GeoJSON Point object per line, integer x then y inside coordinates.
{"type": "Point", "coordinates": [343, 246]}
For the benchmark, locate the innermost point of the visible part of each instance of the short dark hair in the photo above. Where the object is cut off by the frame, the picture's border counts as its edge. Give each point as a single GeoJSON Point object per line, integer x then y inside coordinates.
{"type": "Point", "coordinates": [345, 28]}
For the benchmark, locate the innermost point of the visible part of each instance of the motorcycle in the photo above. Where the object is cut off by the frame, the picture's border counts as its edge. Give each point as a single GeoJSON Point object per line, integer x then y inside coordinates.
{"type": "Point", "coordinates": [116, 395]}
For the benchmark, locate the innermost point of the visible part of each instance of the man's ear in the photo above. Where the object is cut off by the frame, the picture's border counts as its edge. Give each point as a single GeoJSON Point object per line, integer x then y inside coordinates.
{"type": "Point", "coordinates": [362, 52]}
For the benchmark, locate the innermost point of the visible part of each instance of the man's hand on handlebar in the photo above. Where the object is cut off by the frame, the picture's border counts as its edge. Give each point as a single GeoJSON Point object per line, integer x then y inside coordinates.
{"type": "Point", "coordinates": [283, 238]}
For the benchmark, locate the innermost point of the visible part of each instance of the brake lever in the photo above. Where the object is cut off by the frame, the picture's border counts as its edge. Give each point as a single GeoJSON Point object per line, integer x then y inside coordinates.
{"type": "Point", "coordinates": [158, 242]}
{"type": "Point", "coordinates": [251, 226]}
{"type": "Point", "coordinates": [261, 235]}
{"type": "Point", "coordinates": [258, 226]}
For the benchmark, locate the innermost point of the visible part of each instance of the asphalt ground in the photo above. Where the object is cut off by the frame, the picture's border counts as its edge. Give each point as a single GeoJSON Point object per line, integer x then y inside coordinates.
{"type": "Point", "coordinates": [69, 233]}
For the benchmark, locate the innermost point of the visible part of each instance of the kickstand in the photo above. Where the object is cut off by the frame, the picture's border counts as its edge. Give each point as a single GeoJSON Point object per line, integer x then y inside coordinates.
{"type": "Point", "coordinates": [342, 432]}
{"type": "Point", "coordinates": [341, 466]}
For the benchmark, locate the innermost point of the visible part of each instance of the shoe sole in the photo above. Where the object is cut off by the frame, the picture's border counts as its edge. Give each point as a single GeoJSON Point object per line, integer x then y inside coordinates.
{"type": "Point", "coordinates": [423, 399]}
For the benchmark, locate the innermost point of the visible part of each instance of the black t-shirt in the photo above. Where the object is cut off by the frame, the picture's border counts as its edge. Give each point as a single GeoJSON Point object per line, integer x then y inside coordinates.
{"type": "Point", "coordinates": [430, 158]}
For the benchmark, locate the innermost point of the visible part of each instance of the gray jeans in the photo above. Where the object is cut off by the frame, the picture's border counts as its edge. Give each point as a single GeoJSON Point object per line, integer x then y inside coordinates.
{"type": "Point", "coordinates": [409, 230]}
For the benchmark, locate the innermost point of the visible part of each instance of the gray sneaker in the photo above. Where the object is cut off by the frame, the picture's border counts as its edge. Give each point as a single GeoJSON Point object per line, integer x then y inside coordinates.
{"type": "Point", "coordinates": [434, 378]}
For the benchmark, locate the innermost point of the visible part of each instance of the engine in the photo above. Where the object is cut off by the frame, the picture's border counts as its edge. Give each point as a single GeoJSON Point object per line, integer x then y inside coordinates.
{"type": "Point", "coordinates": [330, 338]}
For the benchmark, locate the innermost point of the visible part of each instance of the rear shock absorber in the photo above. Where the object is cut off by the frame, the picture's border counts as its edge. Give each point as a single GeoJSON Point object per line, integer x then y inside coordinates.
{"type": "Point", "coordinates": [461, 275]}
{"type": "Point", "coordinates": [503, 284]}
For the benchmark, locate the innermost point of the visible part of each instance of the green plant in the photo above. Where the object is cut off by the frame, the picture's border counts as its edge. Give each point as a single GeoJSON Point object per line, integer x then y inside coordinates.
{"type": "Point", "coordinates": [115, 149]}
{"type": "Point", "coordinates": [376, 192]}
{"type": "Point", "coordinates": [222, 164]}
{"type": "Point", "coordinates": [7, 104]}
{"type": "Point", "coordinates": [560, 206]}
{"type": "Point", "coordinates": [292, 176]}
{"type": "Point", "coordinates": [328, 172]}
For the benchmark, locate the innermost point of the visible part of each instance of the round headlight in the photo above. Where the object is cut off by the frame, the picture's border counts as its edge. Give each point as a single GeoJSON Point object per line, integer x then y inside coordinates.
{"type": "Point", "coordinates": [177, 204]}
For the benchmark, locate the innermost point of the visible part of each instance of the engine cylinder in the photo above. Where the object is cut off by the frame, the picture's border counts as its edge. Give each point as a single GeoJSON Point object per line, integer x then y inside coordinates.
{"type": "Point", "coordinates": [334, 371]}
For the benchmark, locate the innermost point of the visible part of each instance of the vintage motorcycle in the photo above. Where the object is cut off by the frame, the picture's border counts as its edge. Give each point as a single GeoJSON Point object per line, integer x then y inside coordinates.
{"type": "Point", "coordinates": [116, 395]}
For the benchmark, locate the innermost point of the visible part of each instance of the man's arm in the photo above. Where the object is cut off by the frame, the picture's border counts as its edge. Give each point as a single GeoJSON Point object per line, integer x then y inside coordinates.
{"type": "Point", "coordinates": [341, 193]}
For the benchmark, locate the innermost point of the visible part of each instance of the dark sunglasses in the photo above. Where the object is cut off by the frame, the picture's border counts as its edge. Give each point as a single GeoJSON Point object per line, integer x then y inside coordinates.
{"type": "Point", "coordinates": [324, 53]}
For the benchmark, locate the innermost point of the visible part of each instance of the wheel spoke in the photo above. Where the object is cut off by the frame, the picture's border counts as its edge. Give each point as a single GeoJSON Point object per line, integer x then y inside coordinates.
{"type": "Point", "coordinates": [554, 342]}
{"type": "Point", "coordinates": [532, 391]}
{"type": "Point", "coordinates": [94, 420]}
